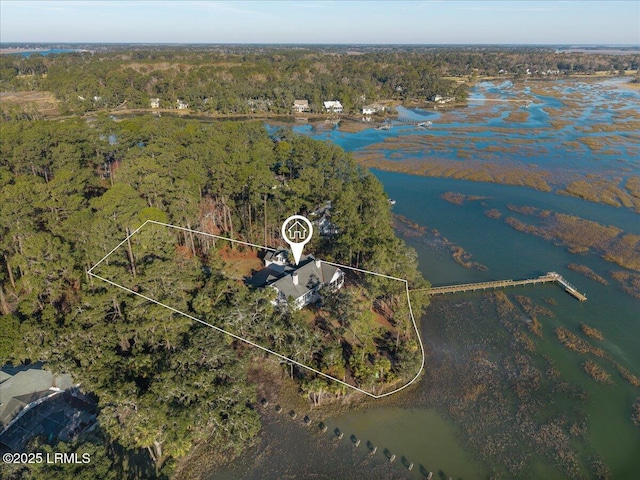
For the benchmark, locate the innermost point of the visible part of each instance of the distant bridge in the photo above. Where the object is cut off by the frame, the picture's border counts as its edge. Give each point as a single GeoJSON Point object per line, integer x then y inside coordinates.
{"type": "Point", "coordinates": [470, 287]}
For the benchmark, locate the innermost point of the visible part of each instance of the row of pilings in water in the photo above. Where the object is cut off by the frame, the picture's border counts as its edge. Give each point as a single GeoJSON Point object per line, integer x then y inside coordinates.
{"type": "Point", "coordinates": [338, 435]}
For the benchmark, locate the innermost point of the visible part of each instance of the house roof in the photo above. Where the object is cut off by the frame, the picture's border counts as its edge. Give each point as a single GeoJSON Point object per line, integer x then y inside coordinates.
{"type": "Point", "coordinates": [308, 272]}
{"type": "Point", "coordinates": [309, 276]}
{"type": "Point", "coordinates": [332, 104]}
{"type": "Point", "coordinates": [21, 386]}
{"type": "Point", "coordinates": [302, 103]}
{"type": "Point", "coordinates": [266, 276]}
{"type": "Point", "coordinates": [276, 255]}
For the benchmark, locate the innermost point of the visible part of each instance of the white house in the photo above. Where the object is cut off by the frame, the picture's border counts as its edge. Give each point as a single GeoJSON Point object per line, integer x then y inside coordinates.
{"type": "Point", "coordinates": [440, 99]}
{"type": "Point", "coordinates": [182, 105]}
{"type": "Point", "coordinates": [299, 283]}
{"type": "Point", "coordinates": [300, 106]}
{"type": "Point", "coordinates": [373, 108]}
{"type": "Point", "coordinates": [155, 103]}
{"type": "Point", "coordinates": [333, 106]}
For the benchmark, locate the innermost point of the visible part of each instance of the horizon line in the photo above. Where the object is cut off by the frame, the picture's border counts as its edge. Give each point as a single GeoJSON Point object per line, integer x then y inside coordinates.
{"type": "Point", "coordinates": [319, 43]}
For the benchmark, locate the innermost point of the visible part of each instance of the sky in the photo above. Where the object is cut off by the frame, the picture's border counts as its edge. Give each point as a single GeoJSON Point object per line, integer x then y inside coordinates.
{"type": "Point", "coordinates": [347, 21]}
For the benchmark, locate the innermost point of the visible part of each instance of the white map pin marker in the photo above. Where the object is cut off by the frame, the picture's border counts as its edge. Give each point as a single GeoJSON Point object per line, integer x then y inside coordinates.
{"type": "Point", "coordinates": [297, 231]}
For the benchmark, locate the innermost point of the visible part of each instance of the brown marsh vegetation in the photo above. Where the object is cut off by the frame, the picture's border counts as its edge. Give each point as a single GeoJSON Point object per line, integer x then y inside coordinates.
{"type": "Point", "coordinates": [506, 162]}
{"type": "Point", "coordinates": [459, 198]}
{"type": "Point", "coordinates": [493, 377]}
{"type": "Point", "coordinates": [405, 228]}
{"type": "Point", "coordinates": [587, 272]}
{"type": "Point", "coordinates": [629, 282]}
{"type": "Point", "coordinates": [591, 332]}
{"type": "Point", "coordinates": [581, 236]}
{"type": "Point", "coordinates": [635, 415]}
{"type": "Point", "coordinates": [596, 372]}
{"type": "Point", "coordinates": [474, 170]}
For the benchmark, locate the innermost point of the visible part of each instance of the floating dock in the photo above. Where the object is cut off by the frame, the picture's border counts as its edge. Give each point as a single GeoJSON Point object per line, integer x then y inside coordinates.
{"type": "Point", "coordinates": [470, 287]}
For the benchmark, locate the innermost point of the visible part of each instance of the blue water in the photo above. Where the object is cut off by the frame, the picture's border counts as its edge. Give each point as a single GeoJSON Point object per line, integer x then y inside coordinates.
{"type": "Point", "coordinates": [51, 51]}
{"type": "Point", "coordinates": [603, 104]}
{"type": "Point", "coordinates": [511, 254]}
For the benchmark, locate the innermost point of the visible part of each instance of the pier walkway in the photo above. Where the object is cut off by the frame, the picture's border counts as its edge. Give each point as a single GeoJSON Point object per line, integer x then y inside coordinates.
{"type": "Point", "coordinates": [413, 121]}
{"type": "Point", "coordinates": [470, 287]}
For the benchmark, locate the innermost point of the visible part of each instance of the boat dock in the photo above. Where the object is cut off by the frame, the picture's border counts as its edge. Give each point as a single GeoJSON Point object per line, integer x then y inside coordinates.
{"type": "Point", "coordinates": [413, 121]}
{"type": "Point", "coordinates": [470, 287]}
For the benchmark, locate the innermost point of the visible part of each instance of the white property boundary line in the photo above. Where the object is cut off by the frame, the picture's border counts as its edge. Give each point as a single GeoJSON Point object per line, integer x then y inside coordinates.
{"type": "Point", "coordinates": [237, 337]}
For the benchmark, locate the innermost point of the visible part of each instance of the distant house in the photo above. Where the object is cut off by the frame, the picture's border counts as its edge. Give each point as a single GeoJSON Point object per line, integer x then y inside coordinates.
{"type": "Point", "coordinates": [322, 220]}
{"type": "Point", "coordinates": [300, 106]}
{"type": "Point", "coordinates": [373, 108]}
{"type": "Point", "coordinates": [440, 99]}
{"type": "Point", "coordinates": [326, 228]}
{"type": "Point", "coordinates": [299, 283]}
{"type": "Point", "coordinates": [182, 105]}
{"type": "Point", "coordinates": [333, 106]}
{"type": "Point", "coordinates": [155, 103]}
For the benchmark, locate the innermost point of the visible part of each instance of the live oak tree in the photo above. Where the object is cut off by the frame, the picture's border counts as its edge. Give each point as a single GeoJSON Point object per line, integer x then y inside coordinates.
{"type": "Point", "coordinates": [163, 382]}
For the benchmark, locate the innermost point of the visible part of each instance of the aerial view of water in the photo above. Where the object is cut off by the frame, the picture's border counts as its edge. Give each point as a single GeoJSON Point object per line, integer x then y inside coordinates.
{"type": "Point", "coordinates": [473, 414]}
{"type": "Point", "coordinates": [581, 128]}
{"type": "Point", "coordinates": [51, 51]}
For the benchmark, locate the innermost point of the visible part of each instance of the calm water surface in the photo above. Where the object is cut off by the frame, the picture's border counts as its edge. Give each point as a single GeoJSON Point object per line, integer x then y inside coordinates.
{"type": "Point", "coordinates": [429, 438]}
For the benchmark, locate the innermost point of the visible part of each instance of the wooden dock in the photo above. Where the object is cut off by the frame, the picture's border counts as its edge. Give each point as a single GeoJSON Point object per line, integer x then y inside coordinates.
{"type": "Point", "coordinates": [413, 121]}
{"type": "Point", "coordinates": [470, 287]}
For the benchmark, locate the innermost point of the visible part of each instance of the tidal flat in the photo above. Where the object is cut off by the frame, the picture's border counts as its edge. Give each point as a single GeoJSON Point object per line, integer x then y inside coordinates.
{"type": "Point", "coordinates": [529, 382]}
{"type": "Point", "coordinates": [573, 136]}
{"type": "Point", "coordinates": [583, 237]}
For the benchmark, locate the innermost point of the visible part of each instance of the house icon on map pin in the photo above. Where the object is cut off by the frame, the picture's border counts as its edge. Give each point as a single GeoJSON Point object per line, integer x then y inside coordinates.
{"type": "Point", "coordinates": [297, 231]}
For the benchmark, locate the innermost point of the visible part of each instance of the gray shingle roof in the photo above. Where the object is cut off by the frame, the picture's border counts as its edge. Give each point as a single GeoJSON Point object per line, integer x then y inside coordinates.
{"type": "Point", "coordinates": [310, 276]}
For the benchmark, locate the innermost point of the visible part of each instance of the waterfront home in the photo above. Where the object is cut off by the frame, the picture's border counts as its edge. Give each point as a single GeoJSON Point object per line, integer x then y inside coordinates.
{"type": "Point", "coordinates": [155, 103]}
{"type": "Point", "coordinates": [373, 108]}
{"type": "Point", "coordinates": [440, 99]}
{"type": "Point", "coordinates": [300, 106]}
{"type": "Point", "coordinates": [300, 283]}
{"type": "Point", "coordinates": [333, 106]}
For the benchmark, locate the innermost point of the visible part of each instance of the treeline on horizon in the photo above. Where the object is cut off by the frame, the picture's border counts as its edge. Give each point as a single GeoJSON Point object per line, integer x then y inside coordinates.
{"type": "Point", "coordinates": [246, 79]}
{"type": "Point", "coordinates": [71, 190]}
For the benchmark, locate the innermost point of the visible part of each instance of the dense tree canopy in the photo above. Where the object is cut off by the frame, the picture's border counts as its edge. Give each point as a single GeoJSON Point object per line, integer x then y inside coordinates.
{"type": "Point", "coordinates": [240, 80]}
{"type": "Point", "coordinates": [72, 190]}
